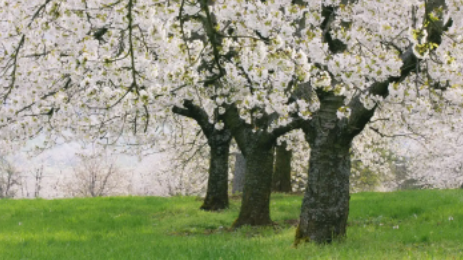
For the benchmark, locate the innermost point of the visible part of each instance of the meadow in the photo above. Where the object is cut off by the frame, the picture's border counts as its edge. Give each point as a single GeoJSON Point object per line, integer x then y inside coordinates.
{"type": "Point", "coordinates": [420, 224]}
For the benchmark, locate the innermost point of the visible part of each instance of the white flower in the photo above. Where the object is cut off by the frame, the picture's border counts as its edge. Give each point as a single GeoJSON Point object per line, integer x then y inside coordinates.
{"type": "Point", "coordinates": [322, 80]}
{"type": "Point", "coordinates": [301, 58]}
{"type": "Point", "coordinates": [343, 112]}
{"type": "Point", "coordinates": [219, 125]}
{"type": "Point", "coordinates": [419, 55]}
{"type": "Point", "coordinates": [144, 94]}
{"type": "Point", "coordinates": [107, 91]}
{"type": "Point", "coordinates": [221, 110]}
{"type": "Point", "coordinates": [219, 100]}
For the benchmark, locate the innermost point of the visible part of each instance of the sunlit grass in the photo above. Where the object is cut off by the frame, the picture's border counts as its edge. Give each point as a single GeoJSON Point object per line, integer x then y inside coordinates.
{"type": "Point", "coordinates": [425, 224]}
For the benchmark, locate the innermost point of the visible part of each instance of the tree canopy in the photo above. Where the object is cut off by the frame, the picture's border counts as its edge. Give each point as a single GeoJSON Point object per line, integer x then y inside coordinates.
{"type": "Point", "coordinates": [259, 69]}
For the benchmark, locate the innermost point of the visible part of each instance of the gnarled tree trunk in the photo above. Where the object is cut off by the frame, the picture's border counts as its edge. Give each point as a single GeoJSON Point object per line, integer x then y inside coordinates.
{"type": "Point", "coordinates": [281, 181]}
{"type": "Point", "coordinates": [325, 206]}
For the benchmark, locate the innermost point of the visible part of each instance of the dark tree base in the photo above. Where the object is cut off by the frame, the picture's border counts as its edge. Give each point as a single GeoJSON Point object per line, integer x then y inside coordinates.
{"type": "Point", "coordinates": [252, 222]}
{"type": "Point", "coordinates": [214, 204]}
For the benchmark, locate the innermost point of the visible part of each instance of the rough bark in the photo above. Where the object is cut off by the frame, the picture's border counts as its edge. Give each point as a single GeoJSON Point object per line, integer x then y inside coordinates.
{"type": "Point", "coordinates": [255, 205]}
{"type": "Point", "coordinates": [325, 206]}
{"type": "Point", "coordinates": [239, 173]}
{"type": "Point", "coordinates": [217, 184]}
{"type": "Point", "coordinates": [281, 181]}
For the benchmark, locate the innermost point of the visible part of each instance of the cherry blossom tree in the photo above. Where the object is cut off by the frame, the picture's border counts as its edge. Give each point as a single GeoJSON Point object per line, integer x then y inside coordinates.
{"type": "Point", "coordinates": [259, 69]}
{"type": "Point", "coordinates": [404, 44]}
{"type": "Point", "coordinates": [116, 71]}
{"type": "Point", "coordinates": [117, 97]}
{"type": "Point", "coordinates": [434, 158]}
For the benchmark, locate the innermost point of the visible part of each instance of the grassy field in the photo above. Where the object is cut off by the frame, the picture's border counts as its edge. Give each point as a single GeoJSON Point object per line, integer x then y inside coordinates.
{"type": "Point", "coordinates": [426, 224]}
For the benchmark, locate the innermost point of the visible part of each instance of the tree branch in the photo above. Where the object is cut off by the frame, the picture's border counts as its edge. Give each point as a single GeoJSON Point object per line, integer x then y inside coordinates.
{"type": "Point", "coordinates": [198, 114]}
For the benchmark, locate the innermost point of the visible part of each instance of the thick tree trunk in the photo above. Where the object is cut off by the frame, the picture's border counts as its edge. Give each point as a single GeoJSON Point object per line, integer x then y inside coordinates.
{"type": "Point", "coordinates": [325, 206]}
{"type": "Point", "coordinates": [255, 205]}
{"type": "Point", "coordinates": [217, 185]}
{"type": "Point", "coordinates": [239, 173]}
{"type": "Point", "coordinates": [256, 144]}
{"type": "Point", "coordinates": [281, 181]}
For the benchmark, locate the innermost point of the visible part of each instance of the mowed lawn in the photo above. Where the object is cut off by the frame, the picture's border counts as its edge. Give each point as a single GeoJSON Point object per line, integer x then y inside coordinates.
{"type": "Point", "coordinates": [425, 224]}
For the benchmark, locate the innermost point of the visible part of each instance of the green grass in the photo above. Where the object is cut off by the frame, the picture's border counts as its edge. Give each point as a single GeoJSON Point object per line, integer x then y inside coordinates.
{"type": "Point", "coordinates": [173, 228]}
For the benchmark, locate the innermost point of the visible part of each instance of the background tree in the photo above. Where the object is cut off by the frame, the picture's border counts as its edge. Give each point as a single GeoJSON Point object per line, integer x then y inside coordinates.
{"type": "Point", "coordinates": [37, 173]}
{"type": "Point", "coordinates": [238, 173]}
{"type": "Point", "coordinates": [96, 176]}
{"type": "Point", "coordinates": [281, 179]}
{"type": "Point", "coordinates": [9, 178]}
{"type": "Point", "coordinates": [435, 159]}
